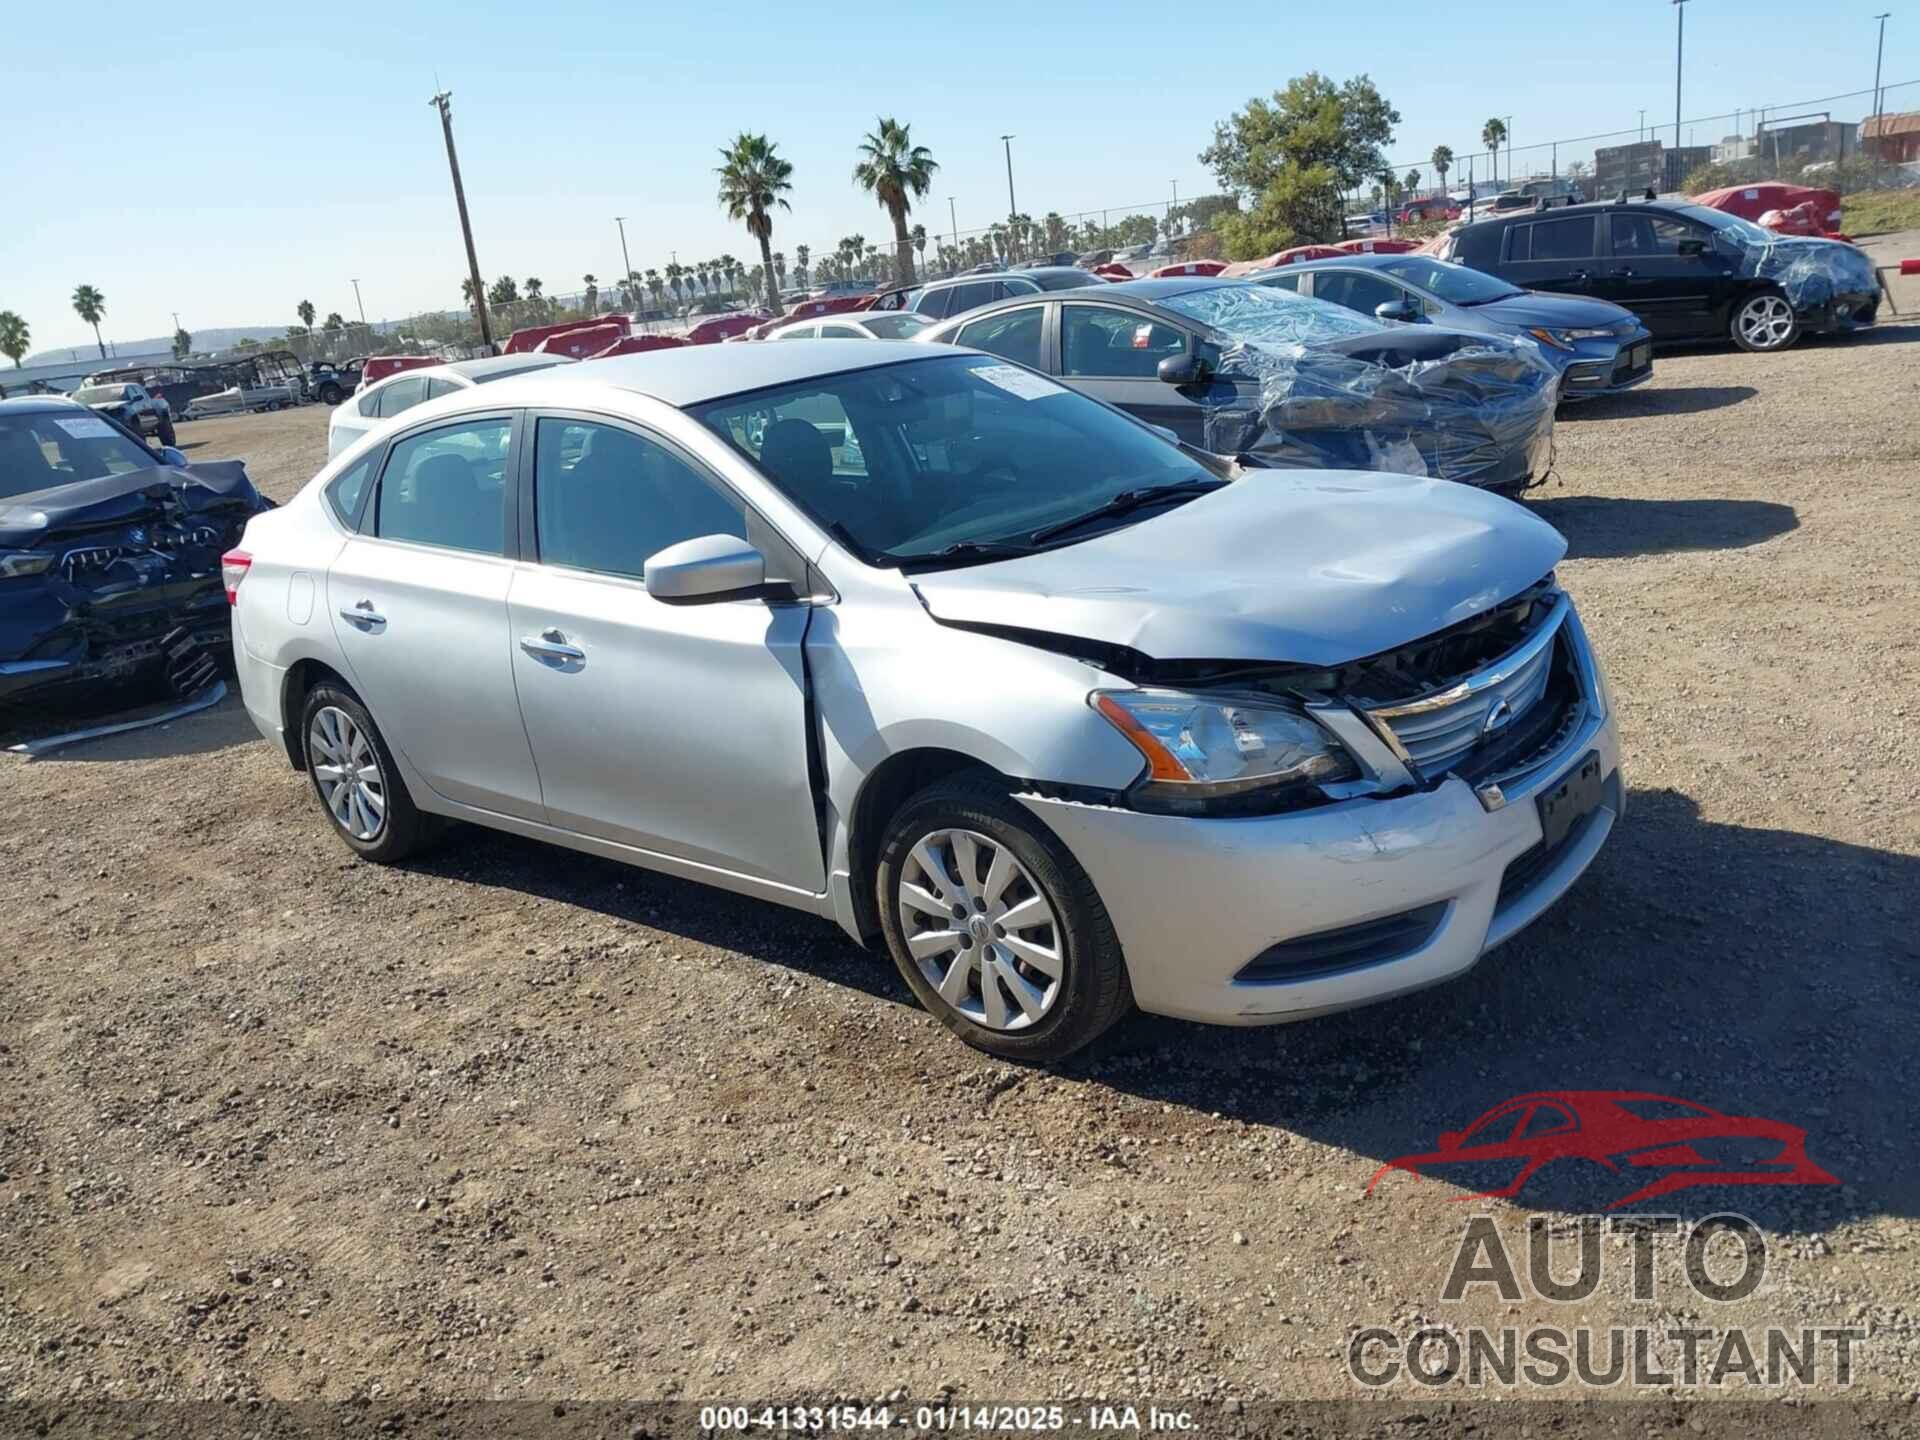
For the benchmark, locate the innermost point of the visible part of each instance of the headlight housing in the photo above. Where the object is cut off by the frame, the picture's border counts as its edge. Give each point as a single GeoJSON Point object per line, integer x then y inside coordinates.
{"type": "Point", "coordinates": [1562, 339]}
{"type": "Point", "coordinates": [1207, 754]}
{"type": "Point", "coordinates": [15, 564]}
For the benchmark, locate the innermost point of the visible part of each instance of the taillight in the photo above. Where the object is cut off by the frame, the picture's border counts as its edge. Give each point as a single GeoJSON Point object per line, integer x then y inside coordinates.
{"type": "Point", "coordinates": [233, 569]}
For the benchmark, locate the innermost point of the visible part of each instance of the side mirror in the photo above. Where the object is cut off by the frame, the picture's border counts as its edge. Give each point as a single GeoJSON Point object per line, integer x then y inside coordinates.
{"type": "Point", "coordinates": [704, 570]}
{"type": "Point", "coordinates": [1183, 370]}
{"type": "Point", "coordinates": [173, 457]}
{"type": "Point", "coordinates": [1405, 311]}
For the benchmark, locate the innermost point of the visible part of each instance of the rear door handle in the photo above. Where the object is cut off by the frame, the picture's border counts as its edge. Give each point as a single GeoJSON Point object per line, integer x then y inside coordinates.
{"type": "Point", "coordinates": [363, 614]}
{"type": "Point", "coordinates": [551, 645]}
{"type": "Point", "coordinates": [1624, 274]}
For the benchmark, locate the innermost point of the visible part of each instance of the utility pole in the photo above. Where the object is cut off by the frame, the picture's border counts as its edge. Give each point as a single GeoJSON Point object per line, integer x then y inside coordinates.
{"type": "Point", "coordinates": [1509, 152]}
{"type": "Point", "coordinates": [1878, 52]}
{"type": "Point", "coordinates": [1679, 51]}
{"type": "Point", "coordinates": [359, 305]}
{"type": "Point", "coordinates": [627, 278]}
{"type": "Point", "coordinates": [443, 102]}
{"type": "Point", "coordinates": [1643, 125]}
{"type": "Point", "coordinates": [953, 219]}
{"type": "Point", "coordinates": [1012, 209]}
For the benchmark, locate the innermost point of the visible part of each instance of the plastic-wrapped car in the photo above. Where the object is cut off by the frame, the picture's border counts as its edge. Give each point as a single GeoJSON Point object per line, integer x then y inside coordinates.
{"type": "Point", "coordinates": [1280, 380]}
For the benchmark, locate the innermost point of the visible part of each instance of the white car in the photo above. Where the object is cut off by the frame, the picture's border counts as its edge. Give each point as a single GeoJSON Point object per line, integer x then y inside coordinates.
{"type": "Point", "coordinates": [384, 399]}
{"type": "Point", "coordinates": [865, 325]}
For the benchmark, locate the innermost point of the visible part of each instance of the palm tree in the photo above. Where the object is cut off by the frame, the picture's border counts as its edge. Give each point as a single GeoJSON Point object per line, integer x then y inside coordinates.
{"type": "Point", "coordinates": [1491, 134]}
{"type": "Point", "coordinates": [592, 282]}
{"type": "Point", "coordinates": [801, 256]}
{"type": "Point", "coordinates": [780, 268]}
{"type": "Point", "coordinates": [471, 294]}
{"type": "Point", "coordinates": [919, 237]}
{"type": "Point", "coordinates": [14, 337]}
{"type": "Point", "coordinates": [182, 344]}
{"type": "Point", "coordinates": [1442, 162]}
{"type": "Point", "coordinates": [306, 312]}
{"type": "Point", "coordinates": [533, 285]}
{"type": "Point", "coordinates": [655, 287]}
{"type": "Point", "coordinates": [91, 306]}
{"type": "Point", "coordinates": [1412, 182]}
{"type": "Point", "coordinates": [896, 172]}
{"type": "Point", "coordinates": [753, 181]}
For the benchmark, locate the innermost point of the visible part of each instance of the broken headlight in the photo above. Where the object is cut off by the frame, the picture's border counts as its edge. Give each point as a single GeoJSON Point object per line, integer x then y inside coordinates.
{"type": "Point", "coordinates": [1211, 753]}
{"type": "Point", "coordinates": [17, 563]}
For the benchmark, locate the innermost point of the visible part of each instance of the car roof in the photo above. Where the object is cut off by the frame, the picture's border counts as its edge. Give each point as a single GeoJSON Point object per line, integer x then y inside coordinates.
{"type": "Point", "coordinates": [37, 404]}
{"type": "Point", "coordinates": [1366, 260]}
{"type": "Point", "coordinates": [1588, 207]}
{"type": "Point", "coordinates": [491, 365]}
{"type": "Point", "coordinates": [1169, 286]}
{"type": "Point", "coordinates": [690, 375]}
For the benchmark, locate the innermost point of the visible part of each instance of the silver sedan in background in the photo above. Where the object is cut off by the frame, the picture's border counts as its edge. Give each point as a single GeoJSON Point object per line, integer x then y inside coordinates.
{"type": "Point", "coordinates": [1066, 716]}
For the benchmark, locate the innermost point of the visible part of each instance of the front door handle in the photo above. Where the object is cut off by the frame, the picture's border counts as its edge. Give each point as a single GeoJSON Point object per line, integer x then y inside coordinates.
{"type": "Point", "coordinates": [551, 645]}
{"type": "Point", "coordinates": [364, 615]}
{"type": "Point", "coordinates": [1625, 273]}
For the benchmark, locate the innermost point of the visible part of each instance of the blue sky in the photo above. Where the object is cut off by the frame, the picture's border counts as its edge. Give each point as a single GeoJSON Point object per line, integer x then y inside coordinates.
{"type": "Point", "coordinates": [298, 148]}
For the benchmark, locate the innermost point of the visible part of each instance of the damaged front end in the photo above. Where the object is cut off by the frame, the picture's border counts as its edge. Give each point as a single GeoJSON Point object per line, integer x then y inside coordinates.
{"type": "Point", "coordinates": [1830, 284]}
{"type": "Point", "coordinates": [108, 582]}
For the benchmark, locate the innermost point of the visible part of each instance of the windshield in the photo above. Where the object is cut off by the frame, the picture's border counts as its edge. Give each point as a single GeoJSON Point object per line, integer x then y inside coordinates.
{"type": "Point", "coordinates": [1273, 316]}
{"type": "Point", "coordinates": [904, 461]}
{"type": "Point", "coordinates": [47, 448]}
{"type": "Point", "coordinates": [100, 394]}
{"type": "Point", "coordinates": [899, 325]}
{"type": "Point", "coordinates": [1065, 279]}
{"type": "Point", "coordinates": [1743, 230]}
{"type": "Point", "coordinates": [1455, 284]}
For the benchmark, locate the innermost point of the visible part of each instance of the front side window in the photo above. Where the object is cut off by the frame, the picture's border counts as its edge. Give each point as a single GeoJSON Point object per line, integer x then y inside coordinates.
{"type": "Point", "coordinates": [403, 394]}
{"type": "Point", "coordinates": [447, 488]}
{"type": "Point", "coordinates": [1455, 284]}
{"type": "Point", "coordinates": [798, 332]}
{"type": "Point", "coordinates": [901, 326]}
{"type": "Point", "coordinates": [1014, 334]}
{"type": "Point", "coordinates": [40, 450]}
{"type": "Point", "coordinates": [438, 386]}
{"type": "Point", "coordinates": [1646, 235]}
{"type": "Point", "coordinates": [954, 451]}
{"type": "Point", "coordinates": [1097, 341]}
{"type": "Point", "coordinates": [604, 498]}
{"type": "Point", "coordinates": [1283, 280]}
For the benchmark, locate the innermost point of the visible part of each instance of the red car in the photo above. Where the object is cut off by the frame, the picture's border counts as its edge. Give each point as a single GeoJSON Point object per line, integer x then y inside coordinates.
{"type": "Point", "coordinates": [1189, 267]}
{"type": "Point", "coordinates": [534, 337]}
{"type": "Point", "coordinates": [638, 344]}
{"type": "Point", "coordinates": [579, 341]}
{"type": "Point", "coordinates": [1672, 1144]}
{"type": "Point", "coordinates": [1750, 202]}
{"type": "Point", "coordinates": [1377, 247]}
{"type": "Point", "coordinates": [726, 327]}
{"type": "Point", "coordinates": [1433, 207]}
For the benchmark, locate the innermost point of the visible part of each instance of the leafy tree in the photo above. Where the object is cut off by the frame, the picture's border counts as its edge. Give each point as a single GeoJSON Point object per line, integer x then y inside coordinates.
{"type": "Point", "coordinates": [504, 291]}
{"type": "Point", "coordinates": [306, 312]}
{"type": "Point", "coordinates": [91, 306]}
{"type": "Point", "coordinates": [754, 181]}
{"type": "Point", "coordinates": [1200, 213]}
{"type": "Point", "coordinates": [182, 344]}
{"type": "Point", "coordinates": [15, 337]}
{"type": "Point", "coordinates": [1294, 156]}
{"type": "Point", "coordinates": [533, 286]}
{"type": "Point", "coordinates": [334, 323]}
{"type": "Point", "coordinates": [896, 172]}
{"type": "Point", "coordinates": [1491, 134]}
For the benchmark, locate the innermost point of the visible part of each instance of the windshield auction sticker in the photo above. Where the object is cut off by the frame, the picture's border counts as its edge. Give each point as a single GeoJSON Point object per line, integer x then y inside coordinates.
{"type": "Point", "coordinates": [1015, 381]}
{"type": "Point", "coordinates": [87, 427]}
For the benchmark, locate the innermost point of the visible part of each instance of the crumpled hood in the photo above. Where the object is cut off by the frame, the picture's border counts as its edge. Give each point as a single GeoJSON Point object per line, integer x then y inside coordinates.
{"type": "Point", "coordinates": [1559, 311]}
{"type": "Point", "coordinates": [1304, 567]}
{"type": "Point", "coordinates": [208, 486]}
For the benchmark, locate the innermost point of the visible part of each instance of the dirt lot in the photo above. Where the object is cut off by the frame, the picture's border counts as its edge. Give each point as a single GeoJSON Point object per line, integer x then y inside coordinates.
{"type": "Point", "coordinates": [517, 1122]}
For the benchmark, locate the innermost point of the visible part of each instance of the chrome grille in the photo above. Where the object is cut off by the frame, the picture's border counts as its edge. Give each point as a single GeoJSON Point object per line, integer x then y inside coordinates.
{"type": "Point", "coordinates": [1439, 729]}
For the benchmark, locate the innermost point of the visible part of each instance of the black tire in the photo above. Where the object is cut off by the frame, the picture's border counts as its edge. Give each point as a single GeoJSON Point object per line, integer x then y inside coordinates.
{"type": "Point", "coordinates": [331, 394]}
{"type": "Point", "coordinates": [1093, 990]}
{"type": "Point", "coordinates": [1744, 326]}
{"type": "Point", "coordinates": [403, 829]}
{"type": "Point", "coordinates": [166, 430]}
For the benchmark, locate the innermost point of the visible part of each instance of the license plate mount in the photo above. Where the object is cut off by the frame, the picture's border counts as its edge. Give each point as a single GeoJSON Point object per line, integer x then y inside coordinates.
{"type": "Point", "coordinates": [1639, 356]}
{"type": "Point", "coordinates": [1565, 804]}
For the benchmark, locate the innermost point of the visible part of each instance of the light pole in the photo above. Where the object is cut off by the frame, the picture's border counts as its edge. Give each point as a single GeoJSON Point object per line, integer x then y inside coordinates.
{"type": "Point", "coordinates": [443, 101]}
{"type": "Point", "coordinates": [358, 305]}
{"type": "Point", "coordinates": [1509, 152]}
{"type": "Point", "coordinates": [625, 259]}
{"type": "Point", "coordinates": [1679, 50]}
{"type": "Point", "coordinates": [1012, 209]}
{"type": "Point", "coordinates": [1643, 125]}
{"type": "Point", "coordinates": [1879, 50]}
{"type": "Point", "coordinates": [953, 219]}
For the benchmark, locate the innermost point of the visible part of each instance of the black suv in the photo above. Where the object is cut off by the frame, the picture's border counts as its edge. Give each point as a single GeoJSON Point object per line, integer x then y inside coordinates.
{"type": "Point", "coordinates": [1688, 272]}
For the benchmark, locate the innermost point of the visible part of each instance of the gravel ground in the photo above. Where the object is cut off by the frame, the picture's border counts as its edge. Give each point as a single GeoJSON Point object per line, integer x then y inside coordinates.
{"type": "Point", "coordinates": [517, 1122]}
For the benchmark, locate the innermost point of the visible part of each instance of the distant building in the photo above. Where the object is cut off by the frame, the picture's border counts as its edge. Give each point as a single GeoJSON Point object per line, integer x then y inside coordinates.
{"type": "Point", "coordinates": [1682, 160]}
{"type": "Point", "coordinates": [1892, 139]}
{"type": "Point", "coordinates": [1788, 145]}
{"type": "Point", "coordinates": [1732, 148]}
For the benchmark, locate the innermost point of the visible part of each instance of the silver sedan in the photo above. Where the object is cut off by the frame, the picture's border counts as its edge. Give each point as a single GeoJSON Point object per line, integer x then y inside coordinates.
{"type": "Point", "coordinates": [1066, 717]}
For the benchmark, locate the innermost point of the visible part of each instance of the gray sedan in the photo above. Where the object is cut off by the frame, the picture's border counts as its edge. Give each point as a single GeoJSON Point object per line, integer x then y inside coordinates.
{"type": "Point", "coordinates": [1598, 347]}
{"type": "Point", "coordinates": [889, 634]}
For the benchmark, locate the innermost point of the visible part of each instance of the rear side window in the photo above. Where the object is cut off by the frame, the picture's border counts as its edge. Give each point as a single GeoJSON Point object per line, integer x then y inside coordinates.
{"type": "Point", "coordinates": [401, 395]}
{"type": "Point", "coordinates": [961, 298]}
{"type": "Point", "coordinates": [436, 388]}
{"type": "Point", "coordinates": [1282, 282]}
{"type": "Point", "coordinates": [369, 404]}
{"type": "Point", "coordinates": [1013, 334]}
{"type": "Point", "coordinates": [1554, 240]}
{"type": "Point", "coordinates": [347, 489]}
{"type": "Point", "coordinates": [931, 303]}
{"type": "Point", "coordinates": [447, 488]}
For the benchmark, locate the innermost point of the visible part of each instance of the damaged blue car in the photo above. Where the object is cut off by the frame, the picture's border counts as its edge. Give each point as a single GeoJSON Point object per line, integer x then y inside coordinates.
{"type": "Point", "coordinates": [109, 557]}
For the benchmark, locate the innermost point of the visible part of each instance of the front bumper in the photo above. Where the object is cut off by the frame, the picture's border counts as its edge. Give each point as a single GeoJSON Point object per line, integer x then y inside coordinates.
{"type": "Point", "coordinates": [1846, 311]}
{"type": "Point", "coordinates": [1607, 367]}
{"type": "Point", "coordinates": [1196, 901]}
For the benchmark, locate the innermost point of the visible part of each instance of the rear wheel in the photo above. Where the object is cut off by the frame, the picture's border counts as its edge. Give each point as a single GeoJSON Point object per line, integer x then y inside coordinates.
{"type": "Point", "coordinates": [331, 394]}
{"type": "Point", "coordinates": [165, 431]}
{"type": "Point", "coordinates": [355, 779]}
{"type": "Point", "coordinates": [996, 928]}
{"type": "Point", "coordinates": [1765, 322]}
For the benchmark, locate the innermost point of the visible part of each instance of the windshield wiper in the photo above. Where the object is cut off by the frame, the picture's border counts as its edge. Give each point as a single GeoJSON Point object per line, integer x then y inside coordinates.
{"type": "Point", "coordinates": [1126, 502]}
{"type": "Point", "coordinates": [972, 550]}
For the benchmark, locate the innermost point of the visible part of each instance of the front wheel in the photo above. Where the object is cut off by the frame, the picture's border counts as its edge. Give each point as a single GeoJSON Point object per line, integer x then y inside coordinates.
{"type": "Point", "coordinates": [331, 394]}
{"type": "Point", "coordinates": [996, 928]}
{"type": "Point", "coordinates": [166, 431]}
{"type": "Point", "coordinates": [355, 778]}
{"type": "Point", "coordinates": [1765, 322]}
